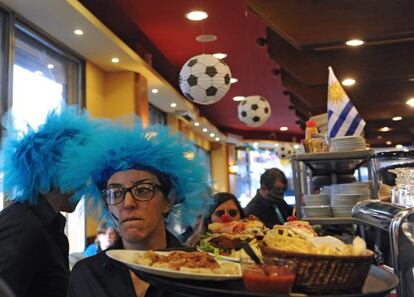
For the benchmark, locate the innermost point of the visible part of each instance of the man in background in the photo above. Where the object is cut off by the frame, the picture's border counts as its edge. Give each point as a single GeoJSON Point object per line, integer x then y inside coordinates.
{"type": "Point", "coordinates": [268, 204]}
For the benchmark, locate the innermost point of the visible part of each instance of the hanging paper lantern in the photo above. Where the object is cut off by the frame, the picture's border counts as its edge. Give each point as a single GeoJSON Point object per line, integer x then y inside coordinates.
{"type": "Point", "coordinates": [205, 79]}
{"type": "Point", "coordinates": [284, 151]}
{"type": "Point", "coordinates": [254, 111]}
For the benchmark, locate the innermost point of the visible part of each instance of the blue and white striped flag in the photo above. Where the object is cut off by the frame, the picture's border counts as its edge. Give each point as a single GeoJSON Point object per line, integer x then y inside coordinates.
{"type": "Point", "coordinates": [343, 118]}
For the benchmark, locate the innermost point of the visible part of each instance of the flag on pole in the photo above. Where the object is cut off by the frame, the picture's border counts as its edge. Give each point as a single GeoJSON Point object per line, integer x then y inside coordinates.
{"type": "Point", "coordinates": [343, 118]}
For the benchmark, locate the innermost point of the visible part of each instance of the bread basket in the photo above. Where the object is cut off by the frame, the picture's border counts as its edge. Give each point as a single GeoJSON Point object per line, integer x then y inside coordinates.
{"type": "Point", "coordinates": [326, 273]}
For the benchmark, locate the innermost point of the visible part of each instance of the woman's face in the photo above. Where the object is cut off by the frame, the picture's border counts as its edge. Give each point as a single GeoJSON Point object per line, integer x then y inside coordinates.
{"type": "Point", "coordinates": [138, 221]}
{"type": "Point", "coordinates": [226, 212]}
{"type": "Point", "coordinates": [107, 239]}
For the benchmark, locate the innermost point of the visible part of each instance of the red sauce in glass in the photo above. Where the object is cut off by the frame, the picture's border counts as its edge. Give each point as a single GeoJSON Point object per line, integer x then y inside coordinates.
{"type": "Point", "coordinates": [279, 280]}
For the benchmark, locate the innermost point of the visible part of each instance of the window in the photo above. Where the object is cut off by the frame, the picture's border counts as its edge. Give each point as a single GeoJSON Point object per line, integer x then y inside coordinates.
{"type": "Point", "coordinates": [157, 116]}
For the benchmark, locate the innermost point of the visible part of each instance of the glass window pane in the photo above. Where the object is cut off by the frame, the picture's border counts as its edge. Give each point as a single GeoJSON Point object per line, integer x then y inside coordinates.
{"type": "Point", "coordinates": [157, 116]}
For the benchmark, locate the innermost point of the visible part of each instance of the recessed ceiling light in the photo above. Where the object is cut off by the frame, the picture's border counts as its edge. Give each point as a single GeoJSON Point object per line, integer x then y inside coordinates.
{"type": "Point", "coordinates": [196, 124]}
{"type": "Point", "coordinates": [196, 15]}
{"type": "Point", "coordinates": [388, 142]}
{"type": "Point", "coordinates": [384, 129]}
{"type": "Point", "coordinates": [354, 42]}
{"type": "Point", "coordinates": [239, 98]}
{"type": "Point", "coordinates": [217, 139]}
{"type": "Point", "coordinates": [50, 66]}
{"type": "Point", "coordinates": [296, 146]}
{"type": "Point", "coordinates": [284, 128]}
{"type": "Point", "coordinates": [399, 146]}
{"type": "Point", "coordinates": [220, 55]}
{"type": "Point", "coordinates": [212, 134]}
{"type": "Point", "coordinates": [233, 80]}
{"type": "Point", "coordinates": [173, 105]}
{"type": "Point", "coordinates": [379, 137]}
{"type": "Point", "coordinates": [205, 130]}
{"type": "Point", "coordinates": [396, 119]}
{"type": "Point", "coordinates": [348, 82]}
{"type": "Point", "coordinates": [115, 60]}
{"type": "Point", "coordinates": [206, 38]}
{"type": "Point", "coordinates": [78, 32]}
{"type": "Point", "coordinates": [154, 91]}
{"type": "Point", "coordinates": [276, 144]}
{"type": "Point", "coordinates": [410, 102]}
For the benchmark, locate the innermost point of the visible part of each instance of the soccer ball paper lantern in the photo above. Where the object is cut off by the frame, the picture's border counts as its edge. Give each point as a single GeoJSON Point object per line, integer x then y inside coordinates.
{"type": "Point", "coordinates": [254, 111]}
{"type": "Point", "coordinates": [284, 151]}
{"type": "Point", "coordinates": [205, 79]}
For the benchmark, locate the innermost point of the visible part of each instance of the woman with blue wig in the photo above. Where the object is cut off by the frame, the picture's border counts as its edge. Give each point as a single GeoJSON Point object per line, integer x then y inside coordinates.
{"type": "Point", "coordinates": [144, 179]}
{"type": "Point", "coordinates": [33, 246]}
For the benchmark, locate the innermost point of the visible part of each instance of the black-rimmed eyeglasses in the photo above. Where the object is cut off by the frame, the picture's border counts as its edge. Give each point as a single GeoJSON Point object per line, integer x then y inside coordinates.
{"type": "Point", "coordinates": [140, 192]}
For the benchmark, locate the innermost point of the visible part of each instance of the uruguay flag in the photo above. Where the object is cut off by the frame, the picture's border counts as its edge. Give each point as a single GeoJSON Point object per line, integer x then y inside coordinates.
{"type": "Point", "coordinates": [343, 118]}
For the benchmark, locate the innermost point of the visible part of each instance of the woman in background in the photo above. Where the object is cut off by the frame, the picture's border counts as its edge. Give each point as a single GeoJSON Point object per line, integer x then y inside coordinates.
{"type": "Point", "coordinates": [227, 208]}
{"type": "Point", "coordinates": [106, 236]}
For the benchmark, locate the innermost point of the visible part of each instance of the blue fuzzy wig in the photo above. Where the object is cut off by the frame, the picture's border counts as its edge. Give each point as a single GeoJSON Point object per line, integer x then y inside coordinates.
{"type": "Point", "coordinates": [30, 160]}
{"type": "Point", "coordinates": [152, 149]}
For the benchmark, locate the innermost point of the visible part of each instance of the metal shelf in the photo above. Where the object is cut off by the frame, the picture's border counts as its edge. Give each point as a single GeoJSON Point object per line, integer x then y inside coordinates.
{"type": "Point", "coordinates": [334, 221]}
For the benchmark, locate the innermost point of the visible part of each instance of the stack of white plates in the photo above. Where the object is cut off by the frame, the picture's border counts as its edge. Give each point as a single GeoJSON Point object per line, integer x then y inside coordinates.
{"type": "Point", "coordinates": [321, 211]}
{"type": "Point", "coordinates": [360, 188]}
{"type": "Point", "coordinates": [317, 199]}
{"type": "Point", "coordinates": [347, 143]}
{"type": "Point", "coordinates": [345, 196]}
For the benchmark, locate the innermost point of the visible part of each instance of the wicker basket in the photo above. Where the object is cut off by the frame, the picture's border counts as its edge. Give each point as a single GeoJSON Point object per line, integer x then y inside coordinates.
{"type": "Point", "coordinates": [326, 274]}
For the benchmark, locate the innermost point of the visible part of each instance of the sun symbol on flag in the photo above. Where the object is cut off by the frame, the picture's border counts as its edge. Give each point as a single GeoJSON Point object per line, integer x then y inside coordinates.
{"type": "Point", "coordinates": [335, 93]}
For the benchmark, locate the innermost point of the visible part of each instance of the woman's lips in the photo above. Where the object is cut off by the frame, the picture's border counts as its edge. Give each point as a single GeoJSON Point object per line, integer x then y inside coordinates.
{"type": "Point", "coordinates": [131, 219]}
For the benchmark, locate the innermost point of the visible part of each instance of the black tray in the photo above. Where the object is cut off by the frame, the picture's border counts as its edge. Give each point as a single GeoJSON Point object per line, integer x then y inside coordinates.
{"type": "Point", "coordinates": [378, 284]}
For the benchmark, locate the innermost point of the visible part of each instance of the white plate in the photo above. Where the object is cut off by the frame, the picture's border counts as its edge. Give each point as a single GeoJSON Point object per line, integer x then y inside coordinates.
{"type": "Point", "coordinates": [127, 257]}
{"type": "Point", "coordinates": [226, 258]}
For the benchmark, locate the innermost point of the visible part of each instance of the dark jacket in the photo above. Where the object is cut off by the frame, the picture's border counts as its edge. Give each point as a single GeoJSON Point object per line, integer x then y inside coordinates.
{"type": "Point", "coordinates": [104, 277]}
{"type": "Point", "coordinates": [34, 250]}
{"type": "Point", "coordinates": [264, 209]}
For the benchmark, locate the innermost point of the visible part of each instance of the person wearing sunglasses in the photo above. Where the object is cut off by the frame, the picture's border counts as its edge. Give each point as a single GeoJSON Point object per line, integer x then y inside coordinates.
{"type": "Point", "coordinates": [142, 180]}
{"type": "Point", "coordinates": [227, 208]}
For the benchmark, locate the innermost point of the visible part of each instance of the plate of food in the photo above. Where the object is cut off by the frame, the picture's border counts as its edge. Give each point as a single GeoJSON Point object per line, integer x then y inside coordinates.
{"type": "Point", "coordinates": [178, 264]}
{"type": "Point", "coordinates": [225, 240]}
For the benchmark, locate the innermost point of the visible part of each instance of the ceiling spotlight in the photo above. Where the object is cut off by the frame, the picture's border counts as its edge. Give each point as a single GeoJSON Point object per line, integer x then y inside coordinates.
{"type": "Point", "coordinates": [348, 82]}
{"type": "Point", "coordinates": [50, 66]}
{"type": "Point", "coordinates": [284, 128]}
{"type": "Point", "coordinates": [78, 32]}
{"type": "Point", "coordinates": [173, 105]}
{"type": "Point", "coordinates": [296, 146]}
{"type": "Point", "coordinates": [196, 15]}
{"type": "Point", "coordinates": [115, 60]}
{"type": "Point", "coordinates": [196, 124]}
{"type": "Point", "coordinates": [276, 144]}
{"type": "Point", "coordinates": [384, 129]}
{"type": "Point", "coordinates": [217, 139]}
{"type": "Point", "coordinates": [233, 80]}
{"type": "Point", "coordinates": [399, 146]}
{"type": "Point", "coordinates": [388, 142]}
{"type": "Point", "coordinates": [220, 55]}
{"type": "Point", "coordinates": [154, 91]}
{"type": "Point", "coordinates": [206, 38]}
{"type": "Point", "coordinates": [354, 42]}
{"type": "Point", "coordinates": [205, 130]}
{"type": "Point", "coordinates": [212, 134]}
{"type": "Point", "coordinates": [410, 102]}
{"type": "Point", "coordinates": [396, 119]}
{"type": "Point", "coordinates": [239, 98]}
{"type": "Point", "coordinates": [379, 137]}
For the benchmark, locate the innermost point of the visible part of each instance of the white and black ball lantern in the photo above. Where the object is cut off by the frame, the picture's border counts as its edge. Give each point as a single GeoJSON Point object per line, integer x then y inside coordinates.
{"type": "Point", "coordinates": [254, 111]}
{"type": "Point", "coordinates": [284, 151]}
{"type": "Point", "coordinates": [204, 79]}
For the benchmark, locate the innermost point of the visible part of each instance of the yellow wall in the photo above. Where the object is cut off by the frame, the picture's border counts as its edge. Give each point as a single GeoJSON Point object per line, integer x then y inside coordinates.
{"type": "Point", "coordinates": [219, 168]}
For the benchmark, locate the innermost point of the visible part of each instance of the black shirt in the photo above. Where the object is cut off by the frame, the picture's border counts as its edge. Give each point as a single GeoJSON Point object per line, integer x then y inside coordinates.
{"type": "Point", "coordinates": [104, 277]}
{"type": "Point", "coordinates": [264, 209]}
{"type": "Point", "coordinates": [34, 250]}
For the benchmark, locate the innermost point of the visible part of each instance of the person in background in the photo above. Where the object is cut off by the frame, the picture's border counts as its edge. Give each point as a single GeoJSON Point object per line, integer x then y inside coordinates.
{"type": "Point", "coordinates": [142, 180]}
{"type": "Point", "coordinates": [268, 204]}
{"type": "Point", "coordinates": [105, 237]}
{"type": "Point", "coordinates": [227, 208]}
{"type": "Point", "coordinates": [33, 246]}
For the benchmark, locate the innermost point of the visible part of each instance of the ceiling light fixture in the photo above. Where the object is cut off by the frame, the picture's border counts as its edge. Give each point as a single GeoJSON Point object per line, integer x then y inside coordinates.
{"type": "Point", "coordinates": [78, 32]}
{"type": "Point", "coordinates": [354, 42]}
{"type": "Point", "coordinates": [399, 146]}
{"type": "Point", "coordinates": [50, 66]}
{"type": "Point", "coordinates": [233, 80]}
{"type": "Point", "coordinates": [206, 38]}
{"type": "Point", "coordinates": [397, 118]}
{"type": "Point", "coordinates": [348, 82]}
{"type": "Point", "coordinates": [196, 15]}
{"type": "Point", "coordinates": [284, 128]}
{"type": "Point", "coordinates": [220, 55]}
{"type": "Point", "coordinates": [410, 102]}
{"type": "Point", "coordinates": [384, 129]}
{"type": "Point", "coordinates": [388, 142]}
{"type": "Point", "coordinates": [239, 98]}
{"type": "Point", "coordinates": [196, 124]}
{"type": "Point", "coordinates": [217, 139]}
{"type": "Point", "coordinates": [379, 137]}
{"type": "Point", "coordinates": [212, 135]}
{"type": "Point", "coordinates": [115, 60]}
{"type": "Point", "coordinates": [173, 105]}
{"type": "Point", "coordinates": [154, 91]}
{"type": "Point", "coordinates": [205, 130]}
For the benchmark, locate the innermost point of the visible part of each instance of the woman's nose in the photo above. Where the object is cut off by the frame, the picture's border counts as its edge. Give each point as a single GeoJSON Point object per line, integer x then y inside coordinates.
{"type": "Point", "coordinates": [129, 201]}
